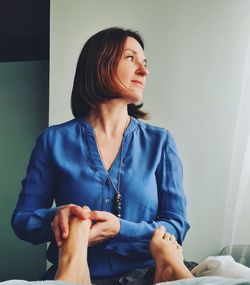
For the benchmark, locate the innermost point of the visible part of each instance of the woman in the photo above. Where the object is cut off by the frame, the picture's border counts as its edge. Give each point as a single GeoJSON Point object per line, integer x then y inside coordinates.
{"type": "Point", "coordinates": [127, 172]}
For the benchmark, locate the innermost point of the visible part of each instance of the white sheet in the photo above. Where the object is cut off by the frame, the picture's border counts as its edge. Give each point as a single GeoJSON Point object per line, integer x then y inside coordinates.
{"type": "Point", "coordinates": [233, 273]}
{"type": "Point", "coordinates": [221, 266]}
{"type": "Point", "coordinates": [212, 280]}
{"type": "Point", "coordinates": [24, 282]}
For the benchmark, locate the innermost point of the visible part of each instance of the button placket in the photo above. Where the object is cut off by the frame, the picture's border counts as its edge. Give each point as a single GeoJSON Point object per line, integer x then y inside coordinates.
{"type": "Point", "coordinates": [107, 198]}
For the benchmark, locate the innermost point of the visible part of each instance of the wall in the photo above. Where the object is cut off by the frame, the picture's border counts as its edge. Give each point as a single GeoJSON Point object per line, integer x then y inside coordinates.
{"type": "Point", "coordinates": [23, 115]}
{"type": "Point", "coordinates": [196, 52]}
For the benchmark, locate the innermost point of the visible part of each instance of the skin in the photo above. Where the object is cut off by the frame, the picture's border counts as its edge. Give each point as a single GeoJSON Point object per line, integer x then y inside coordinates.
{"type": "Point", "coordinates": [109, 121]}
{"type": "Point", "coordinates": [72, 261]}
{"type": "Point", "coordinates": [168, 255]}
{"type": "Point", "coordinates": [73, 266]}
{"type": "Point", "coordinates": [131, 72]}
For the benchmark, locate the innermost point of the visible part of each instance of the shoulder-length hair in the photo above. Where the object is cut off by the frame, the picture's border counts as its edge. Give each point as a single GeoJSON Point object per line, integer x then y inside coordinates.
{"type": "Point", "coordinates": [96, 66]}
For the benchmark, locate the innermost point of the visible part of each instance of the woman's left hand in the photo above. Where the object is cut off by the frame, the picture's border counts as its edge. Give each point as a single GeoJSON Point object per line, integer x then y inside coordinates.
{"type": "Point", "coordinates": [107, 226]}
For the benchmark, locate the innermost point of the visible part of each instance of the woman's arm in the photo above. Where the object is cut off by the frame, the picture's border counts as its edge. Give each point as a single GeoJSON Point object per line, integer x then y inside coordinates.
{"type": "Point", "coordinates": [133, 238]}
{"type": "Point", "coordinates": [33, 219]}
{"type": "Point", "coordinates": [33, 213]}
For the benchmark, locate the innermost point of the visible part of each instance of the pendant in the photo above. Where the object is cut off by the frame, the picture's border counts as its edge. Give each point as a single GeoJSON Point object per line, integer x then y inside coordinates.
{"type": "Point", "coordinates": [118, 205]}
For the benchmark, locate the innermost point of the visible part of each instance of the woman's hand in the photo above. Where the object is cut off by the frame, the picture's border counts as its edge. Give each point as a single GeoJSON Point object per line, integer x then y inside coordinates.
{"type": "Point", "coordinates": [107, 226]}
{"type": "Point", "coordinates": [60, 223]}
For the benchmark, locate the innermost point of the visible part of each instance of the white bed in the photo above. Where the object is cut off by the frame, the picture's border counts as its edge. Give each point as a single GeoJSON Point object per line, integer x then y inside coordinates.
{"type": "Point", "coordinates": [196, 281]}
{"type": "Point", "coordinates": [207, 272]}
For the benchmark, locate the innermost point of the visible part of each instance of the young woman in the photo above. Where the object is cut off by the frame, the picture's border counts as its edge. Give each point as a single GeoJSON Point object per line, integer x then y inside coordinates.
{"type": "Point", "coordinates": [126, 171]}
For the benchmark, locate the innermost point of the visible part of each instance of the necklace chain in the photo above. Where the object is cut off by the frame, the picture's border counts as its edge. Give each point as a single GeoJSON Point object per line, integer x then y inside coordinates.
{"type": "Point", "coordinates": [118, 199]}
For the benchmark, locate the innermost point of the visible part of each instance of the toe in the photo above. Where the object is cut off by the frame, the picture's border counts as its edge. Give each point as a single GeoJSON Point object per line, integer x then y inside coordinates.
{"type": "Point", "coordinates": [179, 247]}
{"type": "Point", "coordinates": [167, 236]}
{"type": "Point", "coordinates": [159, 232]}
{"type": "Point", "coordinates": [172, 238]}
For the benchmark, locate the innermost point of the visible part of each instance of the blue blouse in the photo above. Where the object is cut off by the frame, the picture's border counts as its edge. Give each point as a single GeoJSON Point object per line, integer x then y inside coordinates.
{"type": "Point", "coordinates": [65, 167]}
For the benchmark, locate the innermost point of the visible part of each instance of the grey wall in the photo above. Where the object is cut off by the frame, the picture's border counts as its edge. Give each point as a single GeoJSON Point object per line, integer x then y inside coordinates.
{"type": "Point", "coordinates": [23, 115]}
{"type": "Point", "coordinates": [196, 51]}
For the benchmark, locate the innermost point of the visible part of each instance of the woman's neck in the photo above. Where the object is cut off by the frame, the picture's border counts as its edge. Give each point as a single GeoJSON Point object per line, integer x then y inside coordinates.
{"type": "Point", "coordinates": [110, 120]}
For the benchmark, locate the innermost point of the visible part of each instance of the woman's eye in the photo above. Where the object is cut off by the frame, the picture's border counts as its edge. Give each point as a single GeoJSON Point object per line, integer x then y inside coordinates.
{"type": "Point", "coordinates": [130, 57]}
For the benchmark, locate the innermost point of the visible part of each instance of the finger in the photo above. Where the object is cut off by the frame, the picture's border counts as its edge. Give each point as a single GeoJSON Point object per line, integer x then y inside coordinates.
{"type": "Point", "coordinates": [98, 228]}
{"type": "Point", "coordinates": [53, 224]}
{"type": "Point", "coordinates": [86, 208]}
{"type": "Point", "coordinates": [56, 230]}
{"type": "Point", "coordinates": [58, 236]}
{"type": "Point", "coordinates": [99, 215]}
{"type": "Point", "coordinates": [79, 212]}
{"type": "Point", "coordinates": [97, 231]}
{"type": "Point", "coordinates": [86, 212]}
{"type": "Point", "coordinates": [64, 225]}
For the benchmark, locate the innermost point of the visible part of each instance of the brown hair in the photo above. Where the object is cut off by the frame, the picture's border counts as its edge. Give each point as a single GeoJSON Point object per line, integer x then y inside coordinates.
{"type": "Point", "coordinates": [97, 63]}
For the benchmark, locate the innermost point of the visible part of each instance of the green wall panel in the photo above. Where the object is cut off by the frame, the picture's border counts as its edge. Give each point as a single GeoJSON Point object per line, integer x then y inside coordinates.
{"type": "Point", "coordinates": [23, 115]}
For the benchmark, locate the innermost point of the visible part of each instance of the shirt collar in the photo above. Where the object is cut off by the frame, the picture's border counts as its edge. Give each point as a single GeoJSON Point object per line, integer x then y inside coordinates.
{"type": "Point", "coordinates": [131, 127]}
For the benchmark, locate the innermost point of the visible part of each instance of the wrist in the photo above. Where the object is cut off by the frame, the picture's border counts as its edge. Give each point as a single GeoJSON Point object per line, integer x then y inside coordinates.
{"type": "Point", "coordinates": [118, 226]}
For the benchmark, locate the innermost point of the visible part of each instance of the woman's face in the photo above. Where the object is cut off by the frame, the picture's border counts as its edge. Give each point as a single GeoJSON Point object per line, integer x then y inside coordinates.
{"type": "Point", "coordinates": [132, 71]}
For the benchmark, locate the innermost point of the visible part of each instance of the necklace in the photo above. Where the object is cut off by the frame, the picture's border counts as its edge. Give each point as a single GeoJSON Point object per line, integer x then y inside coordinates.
{"type": "Point", "coordinates": [118, 196]}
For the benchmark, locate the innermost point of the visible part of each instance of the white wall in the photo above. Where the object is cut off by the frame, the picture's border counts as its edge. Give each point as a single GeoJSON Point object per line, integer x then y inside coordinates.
{"type": "Point", "coordinates": [196, 51]}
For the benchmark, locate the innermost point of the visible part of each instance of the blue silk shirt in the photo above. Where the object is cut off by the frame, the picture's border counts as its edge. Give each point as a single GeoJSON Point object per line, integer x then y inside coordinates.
{"type": "Point", "coordinates": [65, 167]}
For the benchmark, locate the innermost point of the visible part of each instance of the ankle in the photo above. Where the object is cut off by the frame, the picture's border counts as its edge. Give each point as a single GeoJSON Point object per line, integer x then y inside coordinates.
{"type": "Point", "coordinates": [168, 274]}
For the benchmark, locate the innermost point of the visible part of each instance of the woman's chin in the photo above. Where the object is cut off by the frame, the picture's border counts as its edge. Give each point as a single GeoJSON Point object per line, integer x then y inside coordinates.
{"type": "Point", "coordinates": [132, 98]}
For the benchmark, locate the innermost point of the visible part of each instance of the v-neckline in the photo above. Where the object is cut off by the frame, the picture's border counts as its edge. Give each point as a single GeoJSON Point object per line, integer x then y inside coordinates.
{"type": "Point", "coordinates": [101, 156]}
{"type": "Point", "coordinates": [92, 144]}
{"type": "Point", "coordinates": [115, 161]}
{"type": "Point", "coordinates": [98, 160]}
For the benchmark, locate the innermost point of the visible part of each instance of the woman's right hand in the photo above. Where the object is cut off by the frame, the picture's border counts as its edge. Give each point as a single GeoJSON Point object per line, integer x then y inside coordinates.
{"type": "Point", "coordinates": [60, 223]}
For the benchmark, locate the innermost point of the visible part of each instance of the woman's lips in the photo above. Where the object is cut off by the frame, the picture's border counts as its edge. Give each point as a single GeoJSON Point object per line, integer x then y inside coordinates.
{"type": "Point", "coordinates": [138, 82]}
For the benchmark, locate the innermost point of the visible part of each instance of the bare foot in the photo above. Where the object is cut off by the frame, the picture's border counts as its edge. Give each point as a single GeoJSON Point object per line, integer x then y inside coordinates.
{"type": "Point", "coordinates": [72, 263]}
{"type": "Point", "coordinates": [168, 257]}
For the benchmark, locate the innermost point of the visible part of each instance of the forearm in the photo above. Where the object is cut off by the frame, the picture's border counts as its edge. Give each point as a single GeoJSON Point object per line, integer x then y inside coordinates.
{"type": "Point", "coordinates": [33, 226]}
{"type": "Point", "coordinates": [131, 231]}
{"type": "Point", "coordinates": [134, 238]}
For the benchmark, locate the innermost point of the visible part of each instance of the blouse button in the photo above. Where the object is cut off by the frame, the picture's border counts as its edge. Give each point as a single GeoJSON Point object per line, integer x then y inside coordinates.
{"type": "Point", "coordinates": [107, 200]}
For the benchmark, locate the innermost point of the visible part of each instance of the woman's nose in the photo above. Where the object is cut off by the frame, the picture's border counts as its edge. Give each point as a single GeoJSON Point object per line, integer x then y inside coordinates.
{"type": "Point", "coordinates": [142, 70]}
